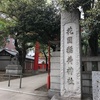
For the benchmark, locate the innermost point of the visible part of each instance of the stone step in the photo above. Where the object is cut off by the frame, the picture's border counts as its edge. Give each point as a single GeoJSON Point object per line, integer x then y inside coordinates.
{"type": "Point", "coordinates": [55, 86]}
{"type": "Point", "coordinates": [55, 54]}
{"type": "Point", "coordinates": [58, 97]}
{"type": "Point", "coordinates": [55, 66]}
{"type": "Point", "coordinates": [55, 73]}
{"type": "Point", "coordinates": [55, 79]}
{"type": "Point", "coordinates": [55, 59]}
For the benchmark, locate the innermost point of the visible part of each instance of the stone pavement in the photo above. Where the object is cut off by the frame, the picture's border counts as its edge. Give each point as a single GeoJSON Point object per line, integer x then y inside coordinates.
{"type": "Point", "coordinates": [27, 92]}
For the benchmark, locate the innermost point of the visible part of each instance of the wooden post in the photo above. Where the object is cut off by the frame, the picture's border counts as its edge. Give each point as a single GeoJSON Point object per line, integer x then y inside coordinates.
{"type": "Point", "coordinates": [37, 46]}
{"type": "Point", "coordinates": [48, 79]}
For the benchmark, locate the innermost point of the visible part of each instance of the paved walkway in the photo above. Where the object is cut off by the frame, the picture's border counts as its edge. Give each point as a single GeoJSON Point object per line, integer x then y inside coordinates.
{"type": "Point", "coordinates": [27, 92]}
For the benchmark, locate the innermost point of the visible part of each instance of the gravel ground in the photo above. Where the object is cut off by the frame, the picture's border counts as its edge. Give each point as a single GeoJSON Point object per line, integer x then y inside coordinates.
{"type": "Point", "coordinates": [4, 77]}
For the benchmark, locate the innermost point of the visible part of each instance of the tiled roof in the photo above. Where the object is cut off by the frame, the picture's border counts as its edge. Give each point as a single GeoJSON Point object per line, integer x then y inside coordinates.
{"type": "Point", "coordinates": [12, 52]}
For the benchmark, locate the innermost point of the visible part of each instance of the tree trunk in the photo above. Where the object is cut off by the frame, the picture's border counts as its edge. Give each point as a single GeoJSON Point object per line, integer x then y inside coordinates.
{"type": "Point", "coordinates": [93, 43]}
{"type": "Point", "coordinates": [22, 55]}
{"type": "Point", "coordinates": [22, 59]}
{"type": "Point", "coordinates": [46, 60]}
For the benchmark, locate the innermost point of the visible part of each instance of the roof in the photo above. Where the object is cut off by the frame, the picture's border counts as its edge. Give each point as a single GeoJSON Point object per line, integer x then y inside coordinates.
{"type": "Point", "coordinates": [29, 57]}
{"type": "Point", "coordinates": [12, 52]}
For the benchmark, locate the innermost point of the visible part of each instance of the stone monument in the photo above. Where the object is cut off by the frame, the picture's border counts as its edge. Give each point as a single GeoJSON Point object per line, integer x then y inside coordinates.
{"type": "Point", "coordinates": [14, 68]}
{"type": "Point", "coordinates": [96, 85]}
{"type": "Point", "coordinates": [70, 62]}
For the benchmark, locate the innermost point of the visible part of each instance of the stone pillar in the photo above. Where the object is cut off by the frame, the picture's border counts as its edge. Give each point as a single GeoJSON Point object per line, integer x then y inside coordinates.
{"type": "Point", "coordinates": [54, 74]}
{"type": "Point", "coordinates": [70, 71]}
{"type": "Point", "coordinates": [96, 85]}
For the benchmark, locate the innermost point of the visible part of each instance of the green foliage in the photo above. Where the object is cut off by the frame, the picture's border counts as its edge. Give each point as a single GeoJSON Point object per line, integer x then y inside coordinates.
{"type": "Point", "coordinates": [74, 4]}
{"type": "Point", "coordinates": [93, 21]}
{"type": "Point", "coordinates": [33, 16]}
{"type": "Point", "coordinates": [90, 8]}
{"type": "Point", "coordinates": [31, 20]}
{"type": "Point", "coordinates": [4, 23]}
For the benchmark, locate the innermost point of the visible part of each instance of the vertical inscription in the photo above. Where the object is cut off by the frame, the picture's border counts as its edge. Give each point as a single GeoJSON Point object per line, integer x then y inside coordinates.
{"type": "Point", "coordinates": [69, 45]}
{"type": "Point", "coordinates": [69, 51]}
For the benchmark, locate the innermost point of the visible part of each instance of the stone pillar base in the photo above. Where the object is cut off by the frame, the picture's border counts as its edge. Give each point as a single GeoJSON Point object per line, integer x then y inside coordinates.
{"type": "Point", "coordinates": [51, 93]}
{"type": "Point", "coordinates": [58, 97]}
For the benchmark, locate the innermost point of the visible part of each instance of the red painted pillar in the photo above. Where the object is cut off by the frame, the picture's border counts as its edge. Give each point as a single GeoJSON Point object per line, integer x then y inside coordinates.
{"type": "Point", "coordinates": [48, 79]}
{"type": "Point", "coordinates": [37, 47]}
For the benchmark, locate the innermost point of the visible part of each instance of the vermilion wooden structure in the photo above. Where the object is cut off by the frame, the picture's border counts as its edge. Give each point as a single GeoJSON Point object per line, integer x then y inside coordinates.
{"type": "Point", "coordinates": [48, 78]}
{"type": "Point", "coordinates": [37, 49]}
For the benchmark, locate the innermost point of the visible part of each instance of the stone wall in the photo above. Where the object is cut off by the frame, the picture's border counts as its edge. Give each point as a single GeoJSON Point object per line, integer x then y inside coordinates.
{"type": "Point", "coordinates": [55, 74]}
{"type": "Point", "coordinates": [89, 64]}
{"type": "Point", "coordinates": [4, 61]}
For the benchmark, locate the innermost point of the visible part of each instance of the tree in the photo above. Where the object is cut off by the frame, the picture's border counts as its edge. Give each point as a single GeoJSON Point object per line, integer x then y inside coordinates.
{"type": "Point", "coordinates": [33, 20]}
{"type": "Point", "coordinates": [2, 26]}
{"type": "Point", "coordinates": [92, 23]}
{"type": "Point", "coordinates": [91, 20]}
{"type": "Point", "coordinates": [4, 23]}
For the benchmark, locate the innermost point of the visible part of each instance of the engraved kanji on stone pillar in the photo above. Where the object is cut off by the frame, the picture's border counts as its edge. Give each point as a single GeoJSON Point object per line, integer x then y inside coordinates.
{"type": "Point", "coordinates": [70, 55]}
